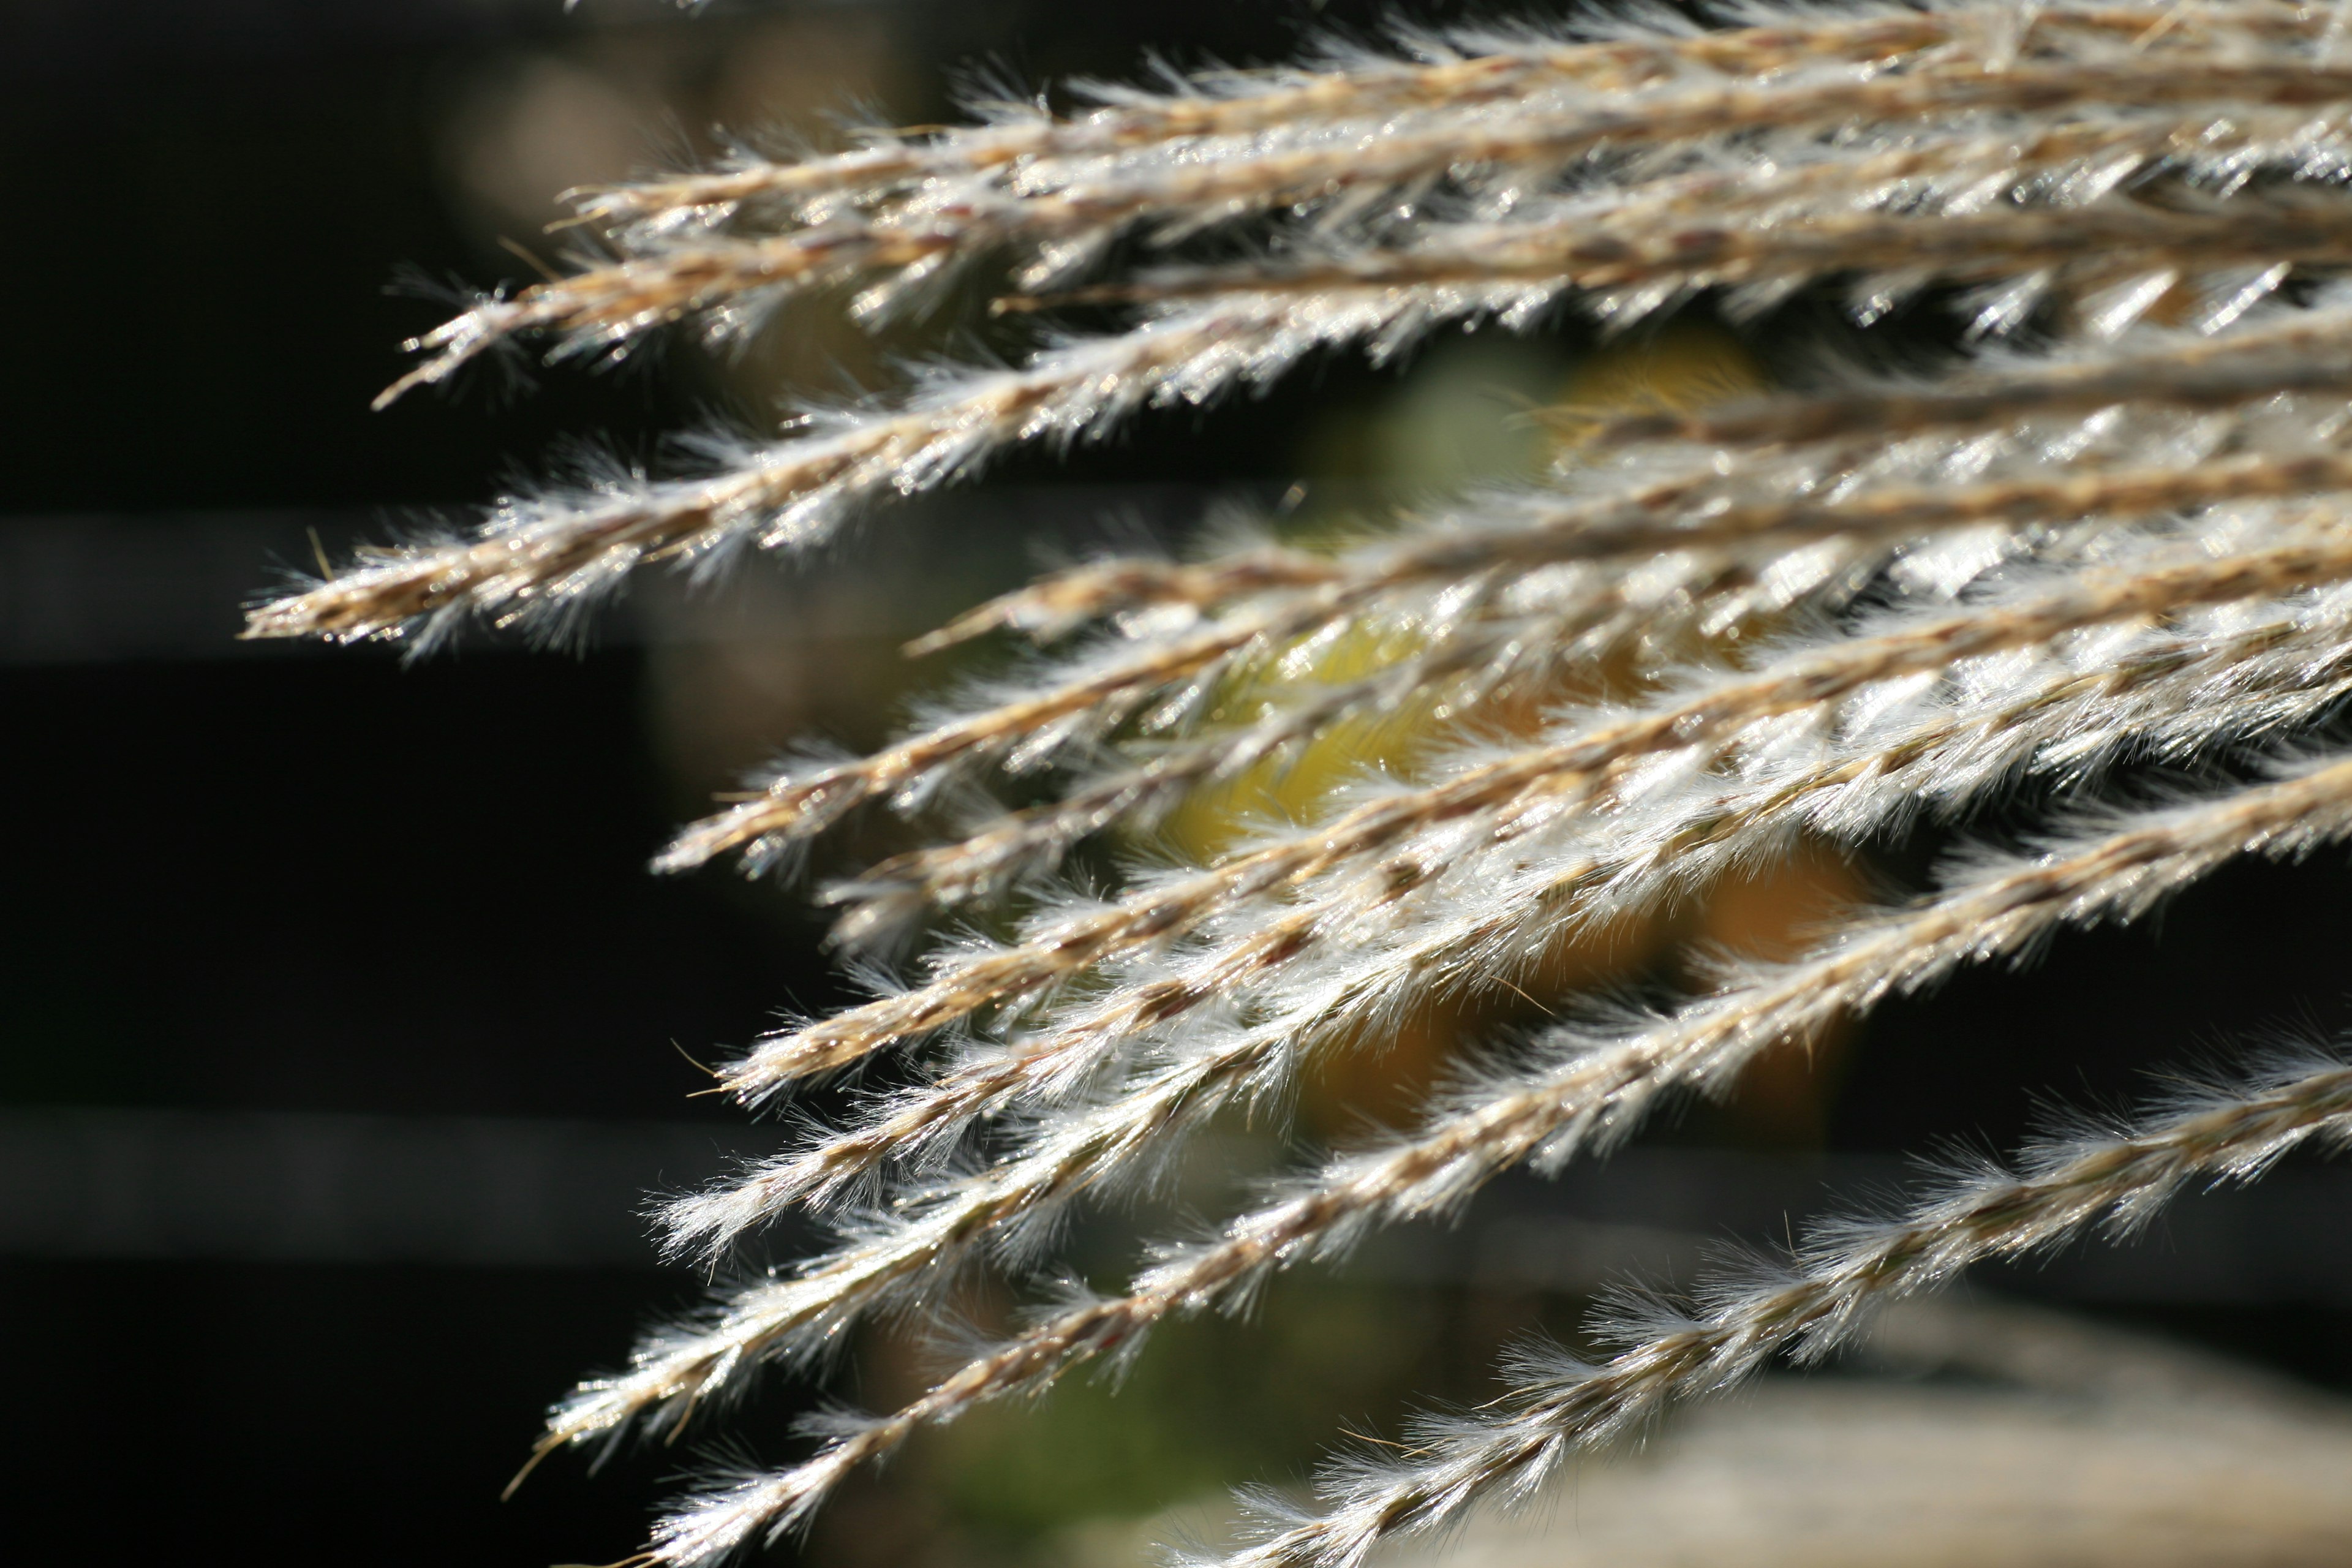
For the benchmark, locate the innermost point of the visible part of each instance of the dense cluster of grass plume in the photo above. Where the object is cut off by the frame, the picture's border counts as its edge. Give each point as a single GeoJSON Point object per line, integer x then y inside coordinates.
{"type": "Point", "coordinates": [2112, 527]}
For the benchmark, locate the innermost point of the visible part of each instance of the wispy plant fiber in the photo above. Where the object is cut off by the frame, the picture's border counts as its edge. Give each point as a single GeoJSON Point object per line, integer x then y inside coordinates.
{"type": "Point", "coordinates": [2107, 526]}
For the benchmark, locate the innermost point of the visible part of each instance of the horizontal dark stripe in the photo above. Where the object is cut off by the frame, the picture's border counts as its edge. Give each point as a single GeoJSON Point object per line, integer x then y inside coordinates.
{"type": "Point", "coordinates": [509, 1192]}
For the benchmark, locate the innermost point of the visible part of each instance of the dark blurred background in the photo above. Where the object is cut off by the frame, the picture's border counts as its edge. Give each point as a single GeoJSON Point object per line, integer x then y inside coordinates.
{"type": "Point", "coordinates": [341, 1029]}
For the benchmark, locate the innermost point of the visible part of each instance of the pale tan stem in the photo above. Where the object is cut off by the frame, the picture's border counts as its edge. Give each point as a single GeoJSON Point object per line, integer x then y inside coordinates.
{"type": "Point", "coordinates": [1289, 99]}
{"type": "Point", "coordinates": [2117, 239]}
{"type": "Point", "coordinates": [1675, 516]}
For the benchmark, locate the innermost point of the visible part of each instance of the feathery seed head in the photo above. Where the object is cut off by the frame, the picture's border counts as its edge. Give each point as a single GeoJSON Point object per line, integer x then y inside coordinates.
{"type": "Point", "coordinates": [1727, 621]}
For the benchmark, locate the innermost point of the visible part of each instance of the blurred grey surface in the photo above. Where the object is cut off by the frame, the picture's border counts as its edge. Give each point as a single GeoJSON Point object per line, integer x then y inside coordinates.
{"type": "Point", "coordinates": [285, 1186]}
{"type": "Point", "coordinates": [522, 1192]}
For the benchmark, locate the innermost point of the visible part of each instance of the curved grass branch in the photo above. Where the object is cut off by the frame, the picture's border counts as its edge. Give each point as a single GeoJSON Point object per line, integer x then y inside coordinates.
{"type": "Point", "coordinates": [1238, 103]}
{"type": "Point", "coordinates": [537, 556]}
{"type": "Point", "coordinates": [2093, 245]}
{"type": "Point", "coordinates": [1818, 1296]}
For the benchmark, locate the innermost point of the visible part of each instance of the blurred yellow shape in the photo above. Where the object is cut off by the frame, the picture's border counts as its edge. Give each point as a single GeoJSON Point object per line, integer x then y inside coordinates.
{"type": "Point", "coordinates": [1682, 366]}
{"type": "Point", "coordinates": [1292, 787]}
